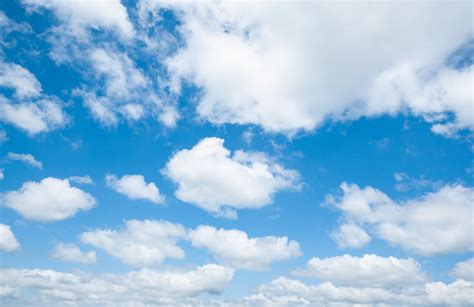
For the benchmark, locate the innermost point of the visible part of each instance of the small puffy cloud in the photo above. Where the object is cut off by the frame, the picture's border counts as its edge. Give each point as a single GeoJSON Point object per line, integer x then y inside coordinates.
{"type": "Point", "coordinates": [412, 224]}
{"type": "Point", "coordinates": [2, 175]}
{"type": "Point", "coordinates": [135, 187]}
{"type": "Point", "coordinates": [81, 179]}
{"type": "Point", "coordinates": [49, 200]}
{"type": "Point", "coordinates": [72, 253]}
{"type": "Point", "coordinates": [135, 288]}
{"type": "Point", "coordinates": [25, 158]}
{"type": "Point", "coordinates": [350, 235]}
{"type": "Point", "coordinates": [213, 179]}
{"type": "Point", "coordinates": [8, 242]}
{"type": "Point", "coordinates": [41, 116]}
{"type": "Point", "coordinates": [80, 16]}
{"type": "Point", "coordinates": [139, 243]}
{"type": "Point", "coordinates": [235, 248]}
{"type": "Point", "coordinates": [289, 292]}
{"type": "Point", "coordinates": [464, 270]}
{"type": "Point", "coordinates": [19, 79]}
{"type": "Point", "coordinates": [366, 271]}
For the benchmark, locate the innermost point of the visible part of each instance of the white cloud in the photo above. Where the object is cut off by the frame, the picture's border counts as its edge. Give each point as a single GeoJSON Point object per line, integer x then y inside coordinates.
{"type": "Point", "coordinates": [18, 78]}
{"type": "Point", "coordinates": [288, 292]}
{"type": "Point", "coordinates": [81, 179]}
{"type": "Point", "coordinates": [432, 98]}
{"type": "Point", "coordinates": [25, 158]}
{"type": "Point", "coordinates": [8, 242]}
{"type": "Point", "coordinates": [135, 288]}
{"type": "Point", "coordinates": [135, 187]}
{"type": "Point", "coordinates": [350, 235]}
{"type": "Point", "coordinates": [2, 175]}
{"type": "Point", "coordinates": [124, 89]}
{"type": "Point", "coordinates": [209, 177]}
{"type": "Point", "coordinates": [81, 16]}
{"type": "Point", "coordinates": [414, 223]}
{"type": "Point", "coordinates": [139, 243]}
{"type": "Point", "coordinates": [286, 66]}
{"type": "Point", "coordinates": [121, 75]}
{"type": "Point", "coordinates": [235, 248]}
{"type": "Point", "coordinates": [101, 108]}
{"type": "Point", "coordinates": [49, 200]}
{"type": "Point", "coordinates": [28, 109]}
{"type": "Point", "coordinates": [41, 116]}
{"type": "Point", "coordinates": [368, 271]}
{"type": "Point", "coordinates": [464, 270]}
{"type": "Point", "coordinates": [72, 253]}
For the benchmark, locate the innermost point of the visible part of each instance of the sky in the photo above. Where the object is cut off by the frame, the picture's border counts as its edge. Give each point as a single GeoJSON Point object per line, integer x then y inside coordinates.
{"type": "Point", "coordinates": [236, 154]}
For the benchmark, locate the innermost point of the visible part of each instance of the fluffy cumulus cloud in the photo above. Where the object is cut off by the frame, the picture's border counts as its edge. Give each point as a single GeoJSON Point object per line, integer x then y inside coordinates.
{"type": "Point", "coordinates": [8, 241]}
{"type": "Point", "coordinates": [28, 109]}
{"type": "Point", "coordinates": [235, 248]}
{"type": "Point", "coordinates": [34, 287]}
{"type": "Point", "coordinates": [412, 224]}
{"type": "Point", "coordinates": [367, 271]}
{"type": "Point", "coordinates": [289, 292]}
{"type": "Point", "coordinates": [148, 243]}
{"type": "Point", "coordinates": [464, 270]}
{"type": "Point", "coordinates": [135, 187]}
{"type": "Point", "coordinates": [49, 200]}
{"type": "Point", "coordinates": [72, 253]}
{"type": "Point", "coordinates": [139, 243]}
{"type": "Point", "coordinates": [286, 67]}
{"type": "Point", "coordinates": [25, 158]}
{"type": "Point", "coordinates": [218, 181]}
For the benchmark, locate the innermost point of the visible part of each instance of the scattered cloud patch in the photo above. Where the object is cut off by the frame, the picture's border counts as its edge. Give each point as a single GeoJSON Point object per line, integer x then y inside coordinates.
{"type": "Point", "coordinates": [19, 79]}
{"type": "Point", "coordinates": [81, 179]}
{"type": "Point", "coordinates": [25, 158]}
{"type": "Point", "coordinates": [350, 236]}
{"type": "Point", "coordinates": [72, 253]}
{"type": "Point", "coordinates": [28, 109]}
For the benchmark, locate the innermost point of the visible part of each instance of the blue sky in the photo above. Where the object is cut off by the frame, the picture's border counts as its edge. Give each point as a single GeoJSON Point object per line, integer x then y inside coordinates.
{"type": "Point", "coordinates": [258, 155]}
